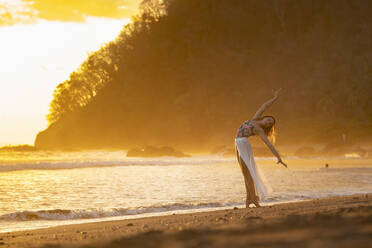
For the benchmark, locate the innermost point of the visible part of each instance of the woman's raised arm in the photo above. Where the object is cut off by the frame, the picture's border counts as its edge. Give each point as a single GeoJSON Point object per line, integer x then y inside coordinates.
{"type": "Point", "coordinates": [266, 105]}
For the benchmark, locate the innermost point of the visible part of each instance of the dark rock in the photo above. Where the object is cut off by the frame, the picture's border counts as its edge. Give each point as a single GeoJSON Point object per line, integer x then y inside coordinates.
{"type": "Point", "coordinates": [342, 149]}
{"type": "Point", "coordinates": [150, 151]}
{"type": "Point", "coordinates": [224, 151]}
{"type": "Point", "coordinates": [20, 148]}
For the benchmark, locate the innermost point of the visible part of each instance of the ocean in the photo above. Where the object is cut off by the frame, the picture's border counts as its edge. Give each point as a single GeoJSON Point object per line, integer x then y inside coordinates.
{"type": "Point", "coordinates": [44, 189]}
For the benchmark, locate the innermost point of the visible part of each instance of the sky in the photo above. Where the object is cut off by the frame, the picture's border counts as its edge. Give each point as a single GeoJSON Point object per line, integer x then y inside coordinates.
{"type": "Point", "coordinates": [41, 43]}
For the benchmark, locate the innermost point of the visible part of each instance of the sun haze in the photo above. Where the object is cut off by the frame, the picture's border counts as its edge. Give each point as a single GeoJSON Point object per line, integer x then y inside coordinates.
{"type": "Point", "coordinates": [41, 43]}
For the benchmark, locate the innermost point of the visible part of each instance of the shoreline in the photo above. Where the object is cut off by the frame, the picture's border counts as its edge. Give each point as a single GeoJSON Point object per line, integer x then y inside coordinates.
{"type": "Point", "coordinates": [200, 209]}
{"type": "Point", "coordinates": [312, 162]}
{"type": "Point", "coordinates": [341, 212]}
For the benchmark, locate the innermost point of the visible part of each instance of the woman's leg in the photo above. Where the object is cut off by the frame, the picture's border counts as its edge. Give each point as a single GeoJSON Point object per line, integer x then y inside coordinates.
{"type": "Point", "coordinates": [252, 196]}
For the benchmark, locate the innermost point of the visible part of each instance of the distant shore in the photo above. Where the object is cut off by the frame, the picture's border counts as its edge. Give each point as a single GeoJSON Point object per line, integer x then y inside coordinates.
{"type": "Point", "coordinates": [328, 222]}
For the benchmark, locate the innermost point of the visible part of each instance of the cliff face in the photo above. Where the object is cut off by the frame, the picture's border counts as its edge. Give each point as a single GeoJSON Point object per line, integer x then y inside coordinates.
{"type": "Point", "coordinates": [189, 77]}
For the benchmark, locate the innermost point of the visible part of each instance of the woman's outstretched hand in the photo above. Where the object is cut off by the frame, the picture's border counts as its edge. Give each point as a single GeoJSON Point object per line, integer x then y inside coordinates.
{"type": "Point", "coordinates": [281, 162]}
{"type": "Point", "coordinates": [277, 92]}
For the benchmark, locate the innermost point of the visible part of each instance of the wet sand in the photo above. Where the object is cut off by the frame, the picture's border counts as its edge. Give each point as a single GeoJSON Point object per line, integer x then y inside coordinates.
{"type": "Point", "coordinates": [327, 222]}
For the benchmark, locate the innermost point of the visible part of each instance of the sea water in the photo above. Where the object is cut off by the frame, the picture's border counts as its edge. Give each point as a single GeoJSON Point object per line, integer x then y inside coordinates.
{"type": "Point", "coordinates": [43, 189]}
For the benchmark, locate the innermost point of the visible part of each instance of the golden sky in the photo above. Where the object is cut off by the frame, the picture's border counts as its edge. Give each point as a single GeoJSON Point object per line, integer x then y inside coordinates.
{"type": "Point", "coordinates": [41, 43]}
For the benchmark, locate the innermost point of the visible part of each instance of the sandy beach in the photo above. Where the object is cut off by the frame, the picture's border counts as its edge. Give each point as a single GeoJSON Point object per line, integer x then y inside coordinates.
{"type": "Point", "coordinates": [327, 222]}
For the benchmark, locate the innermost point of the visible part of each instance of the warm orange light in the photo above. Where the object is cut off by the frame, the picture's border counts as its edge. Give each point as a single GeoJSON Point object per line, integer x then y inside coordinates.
{"type": "Point", "coordinates": [35, 58]}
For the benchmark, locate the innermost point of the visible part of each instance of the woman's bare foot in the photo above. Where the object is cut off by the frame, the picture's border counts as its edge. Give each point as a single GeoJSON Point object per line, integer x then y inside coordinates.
{"type": "Point", "coordinates": [256, 204]}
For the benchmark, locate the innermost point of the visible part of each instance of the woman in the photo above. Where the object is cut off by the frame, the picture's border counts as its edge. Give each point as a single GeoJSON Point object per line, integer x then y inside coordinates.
{"type": "Point", "coordinates": [264, 127]}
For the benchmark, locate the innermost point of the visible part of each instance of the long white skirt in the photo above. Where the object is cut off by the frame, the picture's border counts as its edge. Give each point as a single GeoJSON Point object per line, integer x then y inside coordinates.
{"type": "Point", "coordinates": [244, 149]}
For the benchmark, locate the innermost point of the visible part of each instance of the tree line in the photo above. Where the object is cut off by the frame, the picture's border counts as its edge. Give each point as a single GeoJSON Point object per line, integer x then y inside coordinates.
{"type": "Point", "coordinates": [188, 72]}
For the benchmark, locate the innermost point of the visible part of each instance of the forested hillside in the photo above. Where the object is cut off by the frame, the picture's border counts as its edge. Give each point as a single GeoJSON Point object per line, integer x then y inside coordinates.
{"type": "Point", "coordinates": [186, 73]}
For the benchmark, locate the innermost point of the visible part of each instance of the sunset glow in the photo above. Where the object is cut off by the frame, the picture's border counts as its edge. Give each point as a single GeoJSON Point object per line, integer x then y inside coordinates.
{"type": "Point", "coordinates": [38, 53]}
{"type": "Point", "coordinates": [185, 123]}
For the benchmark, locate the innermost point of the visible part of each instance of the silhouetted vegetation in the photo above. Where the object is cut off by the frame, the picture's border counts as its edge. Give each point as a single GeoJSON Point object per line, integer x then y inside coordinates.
{"type": "Point", "coordinates": [186, 73]}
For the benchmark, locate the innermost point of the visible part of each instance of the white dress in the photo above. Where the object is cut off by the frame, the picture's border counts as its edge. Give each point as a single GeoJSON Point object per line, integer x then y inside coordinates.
{"type": "Point", "coordinates": [244, 149]}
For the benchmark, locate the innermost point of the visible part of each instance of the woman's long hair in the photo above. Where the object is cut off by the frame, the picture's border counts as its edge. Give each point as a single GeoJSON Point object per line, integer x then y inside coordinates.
{"type": "Point", "coordinates": [269, 131]}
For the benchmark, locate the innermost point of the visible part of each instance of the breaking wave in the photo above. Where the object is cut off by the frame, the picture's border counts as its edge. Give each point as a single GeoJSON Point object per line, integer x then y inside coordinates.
{"type": "Point", "coordinates": [128, 162]}
{"type": "Point", "coordinates": [66, 214]}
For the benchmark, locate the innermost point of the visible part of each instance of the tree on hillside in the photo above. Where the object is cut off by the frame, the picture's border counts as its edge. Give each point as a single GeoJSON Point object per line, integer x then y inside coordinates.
{"type": "Point", "coordinates": [193, 70]}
